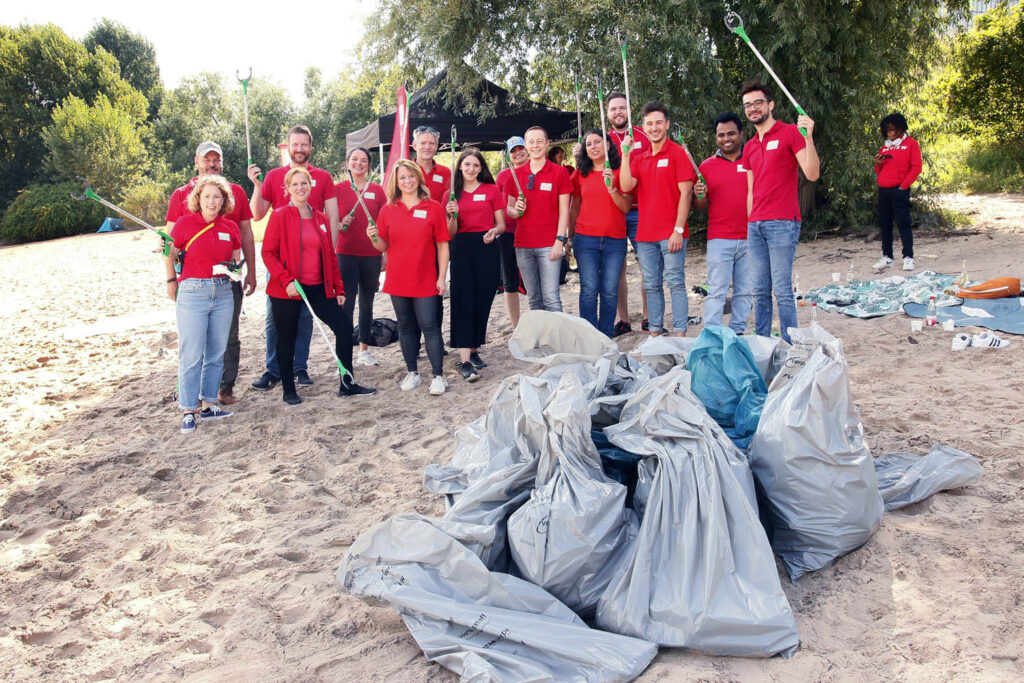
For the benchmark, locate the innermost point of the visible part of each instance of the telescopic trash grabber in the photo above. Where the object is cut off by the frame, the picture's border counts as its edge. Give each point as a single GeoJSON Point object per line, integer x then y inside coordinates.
{"type": "Point", "coordinates": [579, 114]}
{"type": "Point", "coordinates": [604, 131]}
{"type": "Point", "coordinates": [515, 178]}
{"type": "Point", "coordinates": [360, 202]}
{"type": "Point", "coordinates": [341, 368]}
{"type": "Point", "coordinates": [734, 23]}
{"type": "Point", "coordinates": [625, 80]}
{"type": "Point", "coordinates": [679, 139]}
{"type": "Point", "coordinates": [89, 194]}
{"type": "Point", "coordinates": [451, 189]}
{"type": "Point", "coordinates": [359, 195]}
{"type": "Point", "coordinates": [245, 113]}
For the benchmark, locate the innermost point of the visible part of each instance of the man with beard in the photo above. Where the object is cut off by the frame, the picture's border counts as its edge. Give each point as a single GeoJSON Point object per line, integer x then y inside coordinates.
{"type": "Point", "coordinates": [725, 197]}
{"type": "Point", "coordinates": [209, 161]}
{"type": "Point", "coordinates": [772, 158]}
{"type": "Point", "coordinates": [271, 194]}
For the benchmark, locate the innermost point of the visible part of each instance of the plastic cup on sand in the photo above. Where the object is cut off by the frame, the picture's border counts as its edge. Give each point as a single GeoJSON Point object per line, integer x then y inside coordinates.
{"type": "Point", "coordinates": [948, 325]}
{"type": "Point", "coordinates": [916, 325]}
{"type": "Point", "coordinates": [835, 277]}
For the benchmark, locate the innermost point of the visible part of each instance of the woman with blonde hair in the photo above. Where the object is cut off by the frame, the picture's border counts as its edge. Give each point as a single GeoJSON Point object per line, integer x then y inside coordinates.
{"type": "Point", "coordinates": [412, 230]}
{"type": "Point", "coordinates": [203, 300]}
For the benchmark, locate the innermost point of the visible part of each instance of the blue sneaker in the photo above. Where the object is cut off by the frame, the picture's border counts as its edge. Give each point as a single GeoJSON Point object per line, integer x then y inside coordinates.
{"type": "Point", "coordinates": [302, 377]}
{"type": "Point", "coordinates": [188, 423]}
{"type": "Point", "coordinates": [213, 412]}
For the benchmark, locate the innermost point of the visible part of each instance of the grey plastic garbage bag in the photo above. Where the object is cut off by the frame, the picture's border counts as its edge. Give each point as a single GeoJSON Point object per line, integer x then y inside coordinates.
{"type": "Point", "coordinates": [568, 536]}
{"type": "Point", "coordinates": [484, 626]}
{"type": "Point", "coordinates": [700, 574]}
{"type": "Point", "coordinates": [551, 338]}
{"type": "Point", "coordinates": [904, 479]}
{"type": "Point", "coordinates": [810, 460]}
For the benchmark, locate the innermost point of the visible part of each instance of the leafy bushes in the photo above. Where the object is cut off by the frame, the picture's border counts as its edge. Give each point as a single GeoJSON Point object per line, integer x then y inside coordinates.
{"type": "Point", "coordinates": [148, 201]}
{"type": "Point", "coordinates": [42, 212]}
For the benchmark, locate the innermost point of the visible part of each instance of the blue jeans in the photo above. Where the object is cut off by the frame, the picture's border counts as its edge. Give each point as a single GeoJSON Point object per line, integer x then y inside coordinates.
{"type": "Point", "coordinates": [540, 275]}
{"type": "Point", "coordinates": [656, 261]}
{"type": "Point", "coordinates": [203, 307]}
{"type": "Point", "coordinates": [727, 260]}
{"type": "Point", "coordinates": [600, 261]}
{"type": "Point", "coordinates": [302, 340]}
{"type": "Point", "coordinates": [632, 222]}
{"type": "Point", "coordinates": [772, 247]}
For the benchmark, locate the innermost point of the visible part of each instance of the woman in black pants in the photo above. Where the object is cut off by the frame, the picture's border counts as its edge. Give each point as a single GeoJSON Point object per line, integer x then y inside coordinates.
{"type": "Point", "coordinates": [359, 261]}
{"type": "Point", "coordinates": [475, 219]}
{"type": "Point", "coordinates": [297, 251]}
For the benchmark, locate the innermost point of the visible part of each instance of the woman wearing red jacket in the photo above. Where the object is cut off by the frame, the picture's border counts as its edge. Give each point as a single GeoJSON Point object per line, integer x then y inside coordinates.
{"type": "Point", "coordinates": [897, 166]}
{"type": "Point", "coordinates": [297, 247]}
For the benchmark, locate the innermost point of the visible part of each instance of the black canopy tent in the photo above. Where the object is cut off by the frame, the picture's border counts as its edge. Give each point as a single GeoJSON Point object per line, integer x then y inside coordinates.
{"type": "Point", "coordinates": [511, 116]}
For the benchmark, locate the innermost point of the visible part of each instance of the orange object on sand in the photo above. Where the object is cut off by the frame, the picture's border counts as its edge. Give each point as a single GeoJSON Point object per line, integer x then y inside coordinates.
{"type": "Point", "coordinates": [996, 288]}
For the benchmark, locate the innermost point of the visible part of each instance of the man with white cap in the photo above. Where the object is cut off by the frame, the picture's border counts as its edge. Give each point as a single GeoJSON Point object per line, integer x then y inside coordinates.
{"type": "Point", "coordinates": [210, 161]}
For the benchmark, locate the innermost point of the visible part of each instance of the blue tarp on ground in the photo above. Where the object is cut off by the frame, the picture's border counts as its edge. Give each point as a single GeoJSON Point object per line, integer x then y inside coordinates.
{"type": "Point", "coordinates": [1007, 314]}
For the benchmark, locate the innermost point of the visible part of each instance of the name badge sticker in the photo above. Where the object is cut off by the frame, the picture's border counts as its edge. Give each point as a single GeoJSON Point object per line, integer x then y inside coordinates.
{"type": "Point", "coordinates": [436, 178]}
{"type": "Point", "coordinates": [740, 169]}
{"type": "Point", "coordinates": [369, 195]}
{"type": "Point", "coordinates": [312, 182]}
{"type": "Point", "coordinates": [224, 236]}
{"type": "Point", "coordinates": [772, 144]}
{"type": "Point", "coordinates": [479, 198]}
{"type": "Point", "coordinates": [662, 163]}
{"type": "Point", "coordinates": [546, 187]}
{"type": "Point", "coordinates": [637, 144]}
{"type": "Point", "coordinates": [419, 213]}
{"type": "Point", "coordinates": [323, 228]}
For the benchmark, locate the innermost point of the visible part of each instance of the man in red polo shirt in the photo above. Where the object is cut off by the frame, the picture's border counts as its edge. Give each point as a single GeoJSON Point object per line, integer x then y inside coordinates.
{"type": "Point", "coordinates": [438, 178]}
{"type": "Point", "coordinates": [772, 158]}
{"type": "Point", "coordinates": [725, 197]}
{"type": "Point", "coordinates": [209, 161]}
{"type": "Point", "coordinates": [270, 194]}
{"type": "Point", "coordinates": [662, 177]}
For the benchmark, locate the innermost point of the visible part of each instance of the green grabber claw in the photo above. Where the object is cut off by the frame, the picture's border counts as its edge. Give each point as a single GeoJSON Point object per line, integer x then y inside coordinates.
{"type": "Point", "coordinates": [341, 368]}
{"type": "Point", "coordinates": [89, 194]}
{"type": "Point", "coordinates": [696, 169]}
{"type": "Point", "coordinates": [451, 191]}
{"type": "Point", "coordinates": [360, 202]}
{"type": "Point", "coordinates": [245, 110]}
{"type": "Point", "coordinates": [604, 131]}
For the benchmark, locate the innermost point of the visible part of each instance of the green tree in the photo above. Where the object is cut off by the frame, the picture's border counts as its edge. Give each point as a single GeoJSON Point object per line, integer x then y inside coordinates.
{"type": "Point", "coordinates": [136, 56]}
{"type": "Point", "coordinates": [333, 109]}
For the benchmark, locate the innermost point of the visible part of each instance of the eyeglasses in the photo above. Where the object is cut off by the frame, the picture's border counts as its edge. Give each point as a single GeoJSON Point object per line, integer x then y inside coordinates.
{"type": "Point", "coordinates": [755, 104]}
{"type": "Point", "coordinates": [529, 181]}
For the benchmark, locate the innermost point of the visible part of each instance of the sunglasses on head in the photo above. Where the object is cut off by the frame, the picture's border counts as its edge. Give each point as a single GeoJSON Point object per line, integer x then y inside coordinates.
{"type": "Point", "coordinates": [529, 181]}
{"type": "Point", "coordinates": [425, 129]}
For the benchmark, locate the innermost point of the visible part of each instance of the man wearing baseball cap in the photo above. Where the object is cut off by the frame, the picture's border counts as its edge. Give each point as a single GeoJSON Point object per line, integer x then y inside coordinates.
{"type": "Point", "coordinates": [210, 161]}
{"type": "Point", "coordinates": [516, 147]}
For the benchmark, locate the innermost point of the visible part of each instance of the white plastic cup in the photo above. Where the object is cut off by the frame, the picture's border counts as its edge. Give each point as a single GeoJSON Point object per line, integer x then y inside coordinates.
{"type": "Point", "coordinates": [835, 277]}
{"type": "Point", "coordinates": [948, 324]}
{"type": "Point", "coordinates": [916, 325]}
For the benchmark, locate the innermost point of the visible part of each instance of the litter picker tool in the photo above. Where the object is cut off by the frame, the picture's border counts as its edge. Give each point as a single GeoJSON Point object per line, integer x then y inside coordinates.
{"type": "Point", "coordinates": [679, 139]}
{"type": "Point", "coordinates": [245, 113]}
{"type": "Point", "coordinates": [625, 80]}
{"type": "Point", "coordinates": [515, 178]}
{"type": "Point", "coordinates": [302, 293]}
{"type": "Point", "coordinates": [734, 23]}
{"type": "Point", "coordinates": [604, 131]}
{"type": "Point", "coordinates": [579, 114]}
{"type": "Point", "coordinates": [451, 189]}
{"type": "Point", "coordinates": [359, 195]}
{"type": "Point", "coordinates": [231, 269]}
{"type": "Point", "coordinates": [360, 202]}
{"type": "Point", "coordinates": [89, 194]}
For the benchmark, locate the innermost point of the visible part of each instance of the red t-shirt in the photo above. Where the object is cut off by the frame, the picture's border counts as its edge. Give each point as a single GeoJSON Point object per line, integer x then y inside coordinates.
{"type": "Point", "coordinates": [354, 241]}
{"type": "Point", "coordinates": [178, 205]}
{"type": "Point", "coordinates": [599, 216]}
{"type": "Point", "coordinates": [505, 176]}
{"type": "Point", "coordinates": [657, 190]}
{"type": "Point", "coordinates": [538, 226]}
{"type": "Point", "coordinates": [439, 182]}
{"type": "Point", "coordinates": [772, 160]}
{"type": "Point", "coordinates": [640, 142]}
{"type": "Point", "coordinates": [274, 192]}
{"type": "Point", "coordinates": [310, 271]}
{"type": "Point", "coordinates": [902, 170]}
{"type": "Point", "coordinates": [213, 246]}
{"type": "Point", "coordinates": [411, 235]}
{"type": "Point", "coordinates": [726, 197]}
{"type": "Point", "coordinates": [476, 208]}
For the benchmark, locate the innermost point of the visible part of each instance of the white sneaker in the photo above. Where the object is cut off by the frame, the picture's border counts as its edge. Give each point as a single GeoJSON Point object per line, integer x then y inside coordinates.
{"type": "Point", "coordinates": [438, 385]}
{"type": "Point", "coordinates": [908, 263]}
{"type": "Point", "coordinates": [366, 359]}
{"type": "Point", "coordinates": [988, 340]}
{"type": "Point", "coordinates": [882, 263]}
{"type": "Point", "coordinates": [411, 381]}
{"type": "Point", "coordinates": [961, 341]}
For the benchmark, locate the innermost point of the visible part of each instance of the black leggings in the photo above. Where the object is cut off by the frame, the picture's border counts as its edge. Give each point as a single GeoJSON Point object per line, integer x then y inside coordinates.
{"type": "Point", "coordinates": [895, 203]}
{"type": "Point", "coordinates": [475, 270]}
{"type": "Point", "coordinates": [415, 315]}
{"type": "Point", "coordinates": [360, 276]}
{"type": "Point", "coordinates": [286, 318]}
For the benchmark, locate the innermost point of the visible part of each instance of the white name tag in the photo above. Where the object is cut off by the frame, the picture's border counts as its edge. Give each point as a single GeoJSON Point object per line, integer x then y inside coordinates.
{"type": "Point", "coordinates": [479, 198]}
{"type": "Point", "coordinates": [224, 236]}
{"type": "Point", "coordinates": [546, 187]}
{"type": "Point", "coordinates": [420, 213]}
{"type": "Point", "coordinates": [662, 163]}
{"type": "Point", "coordinates": [637, 144]}
{"type": "Point", "coordinates": [323, 228]}
{"type": "Point", "coordinates": [772, 144]}
{"type": "Point", "coordinates": [437, 179]}
{"type": "Point", "coordinates": [740, 169]}
{"type": "Point", "coordinates": [312, 182]}
{"type": "Point", "coordinates": [369, 195]}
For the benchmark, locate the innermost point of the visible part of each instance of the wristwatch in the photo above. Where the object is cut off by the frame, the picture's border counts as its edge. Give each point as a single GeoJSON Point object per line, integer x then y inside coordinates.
{"type": "Point", "coordinates": [680, 230]}
{"type": "Point", "coordinates": [561, 238]}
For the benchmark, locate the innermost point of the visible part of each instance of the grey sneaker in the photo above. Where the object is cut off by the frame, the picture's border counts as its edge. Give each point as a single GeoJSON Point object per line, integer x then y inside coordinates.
{"type": "Point", "coordinates": [438, 385]}
{"type": "Point", "coordinates": [411, 381]}
{"type": "Point", "coordinates": [908, 263]}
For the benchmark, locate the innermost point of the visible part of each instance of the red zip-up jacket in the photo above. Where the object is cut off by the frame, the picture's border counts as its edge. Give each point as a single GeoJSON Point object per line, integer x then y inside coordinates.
{"type": "Point", "coordinates": [282, 251]}
{"type": "Point", "coordinates": [904, 167]}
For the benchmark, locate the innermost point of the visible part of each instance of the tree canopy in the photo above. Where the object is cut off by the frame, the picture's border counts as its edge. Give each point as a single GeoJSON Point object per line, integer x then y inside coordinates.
{"type": "Point", "coordinates": [134, 53]}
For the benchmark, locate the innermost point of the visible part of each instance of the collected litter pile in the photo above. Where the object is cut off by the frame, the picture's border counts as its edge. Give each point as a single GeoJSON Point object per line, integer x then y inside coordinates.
{"type": "Point", "coordinates": [615, 491]}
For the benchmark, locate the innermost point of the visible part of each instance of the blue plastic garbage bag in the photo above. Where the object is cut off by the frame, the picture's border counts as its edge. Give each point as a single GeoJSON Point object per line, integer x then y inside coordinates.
{"type": "Point", "coordinates": [726, 380]}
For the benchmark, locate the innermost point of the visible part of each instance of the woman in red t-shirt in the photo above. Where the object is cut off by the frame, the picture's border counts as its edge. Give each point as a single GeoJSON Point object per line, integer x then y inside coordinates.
{"type": "Point", "coordinates": [475, 219]}
{"type": "Point", "coordinates": [203, 299]}
{"type": "Point", "coordinates": [297, 248]}
{"type": "Point", "coordinates": [359, 261]}
{"type": "Point", "coordinates": [597, 219]}
{"type": "Point", "coordinates": [412, 231]}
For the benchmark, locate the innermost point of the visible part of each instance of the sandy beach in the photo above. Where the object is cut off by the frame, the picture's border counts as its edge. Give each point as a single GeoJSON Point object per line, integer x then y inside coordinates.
{"type": "Point", "coordinates": [128, 551]}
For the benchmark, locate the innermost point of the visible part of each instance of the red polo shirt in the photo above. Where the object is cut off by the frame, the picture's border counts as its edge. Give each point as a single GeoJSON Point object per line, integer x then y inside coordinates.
{"type": "Point", "coordinates": [178, 205]}
{"type": "Point", "coordinates": [477, 208]}
{"type": "Point", "coordinates": [726, 197]}
{"type": "Point", "coordinates": [657, 190]}
{"type": "Point", "coordinates": [538, 226]}
{"type": "Point", "coordinates": [354, 241]}
{"type": "Point", "coordinates": [902, 170]}
{"type": "Point", "coordinates": [274, 192]}
{"type": "Point", "coordinates": [599, 216]}
{"type": "Point", "coordinates": [505, 176]}
{"type": "Point", "coordinates": [210, 248]}
{"type": "Point", "coordinates": [411, 235]}
{"type": "Point", "coordinates": [439, 182]}
{"type": "Point", "coordinates": [772, 161]}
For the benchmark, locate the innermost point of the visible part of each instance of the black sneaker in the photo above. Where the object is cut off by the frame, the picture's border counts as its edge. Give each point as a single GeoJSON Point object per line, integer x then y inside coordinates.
{"type": "Point", "coordinates": [645, 325]}
{"type": "Point", "coordinates": [350, 388]}
{"type": "Point", "coordinates": [468, 372]}
{"type": "Point", "coordinates": [266, 381]}
{"type": "Point", "coordinates": [477, 361]}
{"type": "Point", "coordinates": [621, 328]}
{"type": "Point", "coordinates": [302, 377]}
{"type": "Point", "coordinates": [291, 398]}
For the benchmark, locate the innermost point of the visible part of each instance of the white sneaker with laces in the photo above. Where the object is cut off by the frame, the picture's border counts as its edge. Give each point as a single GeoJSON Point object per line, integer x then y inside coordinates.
{"type": "Point", "coordinates": [989, 341]}
{"type": "Point", "coordinates": [961, 341]}
{"type": "Point", "coordinates": [411, 381]}
{"type": "Point", "coordinates": [438, 385]}
{"type": "Point", "coordinates": [366, 359]}
{"type": "Point", "coordinates": [908, 263]}
{"type": "Point", "coordinates": [882, 263]}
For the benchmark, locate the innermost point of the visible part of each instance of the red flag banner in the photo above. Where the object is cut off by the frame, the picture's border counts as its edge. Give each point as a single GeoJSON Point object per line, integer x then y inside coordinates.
{"type": "Point", "coordinates": [400, 137]}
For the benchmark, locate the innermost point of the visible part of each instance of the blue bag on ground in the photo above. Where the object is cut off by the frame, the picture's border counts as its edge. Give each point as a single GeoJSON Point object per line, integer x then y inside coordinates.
{"type": "Point", "coordinates": [726, 380]}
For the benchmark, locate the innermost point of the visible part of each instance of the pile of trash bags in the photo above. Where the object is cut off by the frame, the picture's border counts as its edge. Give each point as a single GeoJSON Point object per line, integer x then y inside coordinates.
{"type": "Point", "coordinates": [609, 505]}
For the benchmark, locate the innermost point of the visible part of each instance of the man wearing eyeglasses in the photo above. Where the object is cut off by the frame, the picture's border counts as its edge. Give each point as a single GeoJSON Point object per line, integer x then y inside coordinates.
{"type": "Point", "coordinates": [772, 158]}
{"type": "Point", "coordinates": [438, 179]}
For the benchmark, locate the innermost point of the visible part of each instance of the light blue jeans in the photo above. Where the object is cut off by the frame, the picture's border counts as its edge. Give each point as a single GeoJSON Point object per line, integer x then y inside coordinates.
{"type": "Point", "coordinates": [772, 247]}
{"type": "Point", "coordinates": [727, 260]}
{"type": "Point", "coordinates": [656, 262]}
{"type": "Point", "coordinates": [204, 307]}
{"type": "Point", "coordinates": [540, 275]}
{"type": "Point", "coordinates": [600, 262]}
